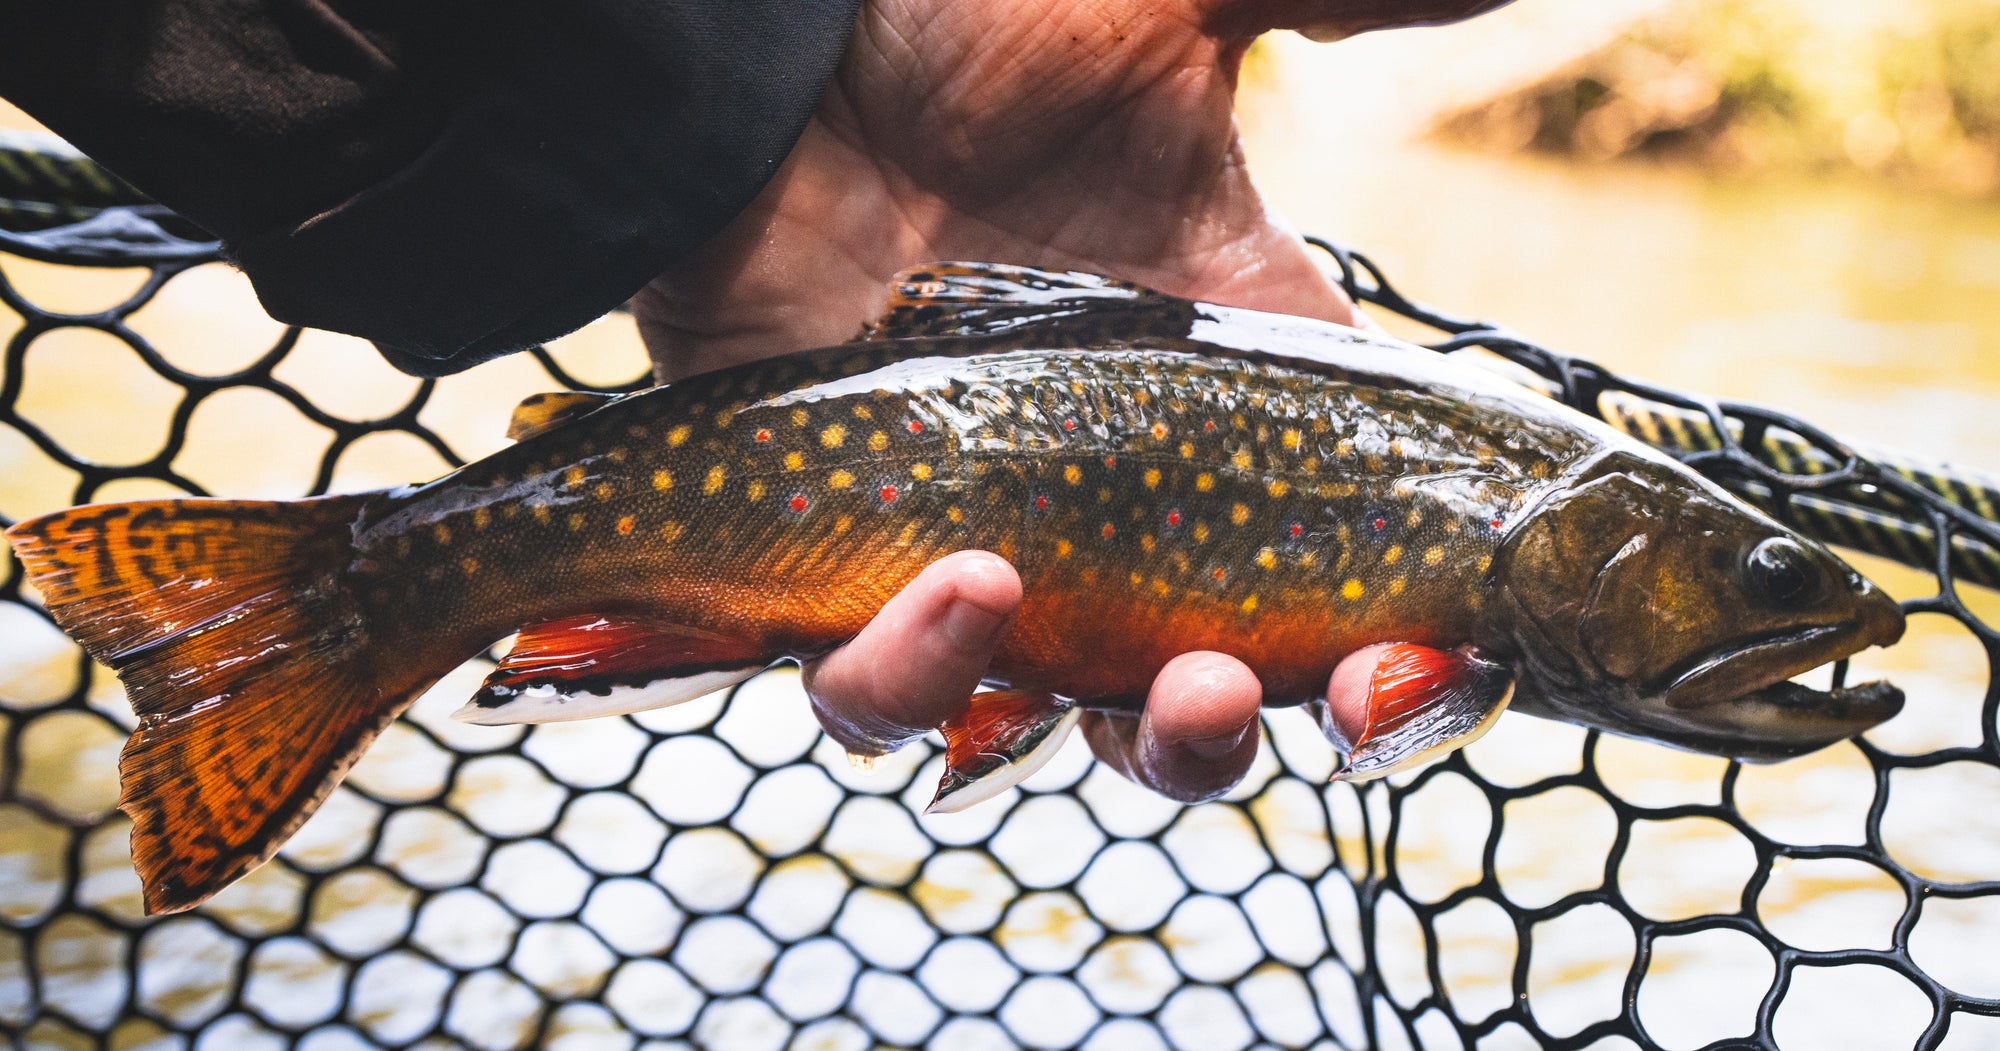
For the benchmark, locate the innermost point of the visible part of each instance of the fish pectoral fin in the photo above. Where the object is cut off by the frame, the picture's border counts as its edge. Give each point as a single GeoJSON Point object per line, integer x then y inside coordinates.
{"type": "Point", "coordinates": [584, 667]}
{"type": "Point", "coordinates": [969, 299]}
{"type": "Point", "coordinates": [1397, 705]}
{"type": "Point", "coordinates": [541, 413]}
{"type": "Point", "coordinates": [1001, 740]}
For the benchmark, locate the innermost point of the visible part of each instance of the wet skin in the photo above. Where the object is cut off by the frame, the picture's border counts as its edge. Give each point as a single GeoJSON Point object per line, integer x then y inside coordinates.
{"type": "Point", "coordinates": [1200, 479]}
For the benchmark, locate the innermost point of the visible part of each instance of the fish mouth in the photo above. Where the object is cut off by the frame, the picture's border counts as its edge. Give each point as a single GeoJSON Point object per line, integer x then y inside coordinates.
{"type": "Point", "coordinates": [1742, 703]}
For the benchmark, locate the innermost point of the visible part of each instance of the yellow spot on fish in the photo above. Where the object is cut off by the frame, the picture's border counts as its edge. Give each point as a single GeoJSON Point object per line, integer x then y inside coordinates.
{"type": "Point", "coordinates": [713, 483]}
{"type": "Point", "coordinates": [1434, 555]}
{"type": "Point", "coordinates": [1375, 463]}
{"type": "Point", "coordinates": [481, 518]}
{"type": "Point", "coordinates": [1242, 460]}
{"type": "Point", "coordinates": [1267, 558]}
{"type": "Point", "coordinates": [842, 524]}
{"type": "Point", "coordinates": [1250, 604]}
{"type": "Point", "coordinates": [1135, 579]}
{"type": "Point", "coordinates": [1187, 450]}
{"type": "Point", "coordinates": [833, 436]}
{"type": "Point", "coordinates": [625, 525]}
{"type": "Point", "coordinates": [755, 491]}
{"type": "Point", "coordinates": [1201, 532]}
{"type": "Point", "coordinates": [839, 480]}
{"type": "Point", "coordinates": [794, 462]}
{"type": "Point", "coordinates": [1397, 585]}
{"type": "Point", "coordinates": [799, 417]}
{"type": "Point", "coordinates": [1292, 439]}
{"type": "Point", "coordinates": [921, 472]}
{"type": "Point", "coordinates": [575, 521]}
{"type": "Point", "coordinates": [542, 513]}
{"type": "Point", "coordinates": [1152, 478]}
{"type": "Point", "coordinates": [1344, 448]}
{"type": "Point", "coordinates": [1072, 474]}
{"type": "Point", "coordinates": [1239, 514]}
{"type": "Point", "coordinates": [605, 490]}
{"type": "Point", "coordinates": [956, 514]}
{"type": "Point", "coordinates": [442, 533]}
{"type": "Point", "coordinates": [671, 531]}
{"type": "Point", "coordinates": [1392, 555]}
{"type": "Point", "coordinates": [1351, 590]}
{"type": "Point", "coordinates": [724, 418]}
{"type": "Point", "coordinates": [469, 565]}
{"type": "Point", "coordinates": [1063, 548]}
{"type": "Point", "coordinates": [1204, 481]}
{"type": "Point", "coordinates": [1147, 543]}
{"type": "Point", "coordinates": [878, 442]}
{"type": "Point", "coordinates": [1485, 563]}
{"type": "Point", "coordinates": [510, 511]}
{"type": "Point", "coordinates": [1279, 487]}
{"type": "Point", "coordinates": [1309, 559]}
{"type": "Point", "coordinates": [679, 435]}
{"type": "Point", "coordinates": [862, 412]}
{"type": "Point", "coordinates": [1160, 587]}
{"type": "Point", "coordinates": [619, 454]}
{"type": "Point", "coordinates": [663, 480]}
{"type": "Point", "coordinates": [1414, 519]}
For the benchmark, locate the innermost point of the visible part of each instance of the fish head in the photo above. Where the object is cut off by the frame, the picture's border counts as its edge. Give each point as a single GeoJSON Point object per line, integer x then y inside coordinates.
{"type": "Point", "coordinates": [1648, 602]}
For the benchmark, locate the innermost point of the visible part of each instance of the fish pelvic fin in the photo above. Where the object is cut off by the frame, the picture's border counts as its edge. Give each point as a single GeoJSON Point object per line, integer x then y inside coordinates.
{"type": "Point", "coordinates": [251, 667]}
{"type": "Point", "coordinates": [1395, 706]}
{"type": "Point", "coordinates": [616, 664]}
{"type": "Point", "coordinates": [1000, 741]}
{"type": "Point", "coordinates": [974, 299]}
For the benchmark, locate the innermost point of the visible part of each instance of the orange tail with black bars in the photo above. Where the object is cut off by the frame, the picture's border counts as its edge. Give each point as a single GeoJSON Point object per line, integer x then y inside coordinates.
{"type": "Point", "coordinates": [252, 668]}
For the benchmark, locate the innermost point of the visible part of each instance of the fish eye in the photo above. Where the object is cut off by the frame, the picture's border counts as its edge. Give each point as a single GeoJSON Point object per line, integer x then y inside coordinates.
{"type": "Point", "coordinates": [1780, 572]}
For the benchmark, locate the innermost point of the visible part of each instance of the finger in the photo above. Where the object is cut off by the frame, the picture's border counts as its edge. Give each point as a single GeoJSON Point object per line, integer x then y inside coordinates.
{"type": "Point", "coordinates": [916, 664]}
{"type": "Point", "coordinates": [1197, 735]}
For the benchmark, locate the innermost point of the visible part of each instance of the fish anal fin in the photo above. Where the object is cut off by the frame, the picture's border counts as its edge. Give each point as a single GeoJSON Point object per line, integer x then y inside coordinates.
{"type": "Point", "coordinates": [541, 413]}
{"type": "Point", "coordinates": [584, 667]}
{"type": "Point", "coordinates": [963, 299]}
{"type": "Point", "coordinates": [1394, 705]}
{"type": "Point", "coordinates": [1001, 740]}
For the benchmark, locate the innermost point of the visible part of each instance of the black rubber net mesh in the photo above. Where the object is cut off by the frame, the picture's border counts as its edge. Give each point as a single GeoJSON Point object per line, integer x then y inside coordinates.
{"type": "Point", "coordinates": [718, 875]}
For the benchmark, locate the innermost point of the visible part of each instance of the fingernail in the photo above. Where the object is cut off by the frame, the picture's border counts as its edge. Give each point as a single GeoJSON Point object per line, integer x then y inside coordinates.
{"type": "Point", "coordinates": [1221, 745]}
{"type": "Point", "coordinates": [971, 626]}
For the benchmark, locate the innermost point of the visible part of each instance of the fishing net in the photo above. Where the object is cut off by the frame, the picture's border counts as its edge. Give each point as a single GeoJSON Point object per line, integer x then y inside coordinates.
{"type": "Point", "coordinates": [717, 875]}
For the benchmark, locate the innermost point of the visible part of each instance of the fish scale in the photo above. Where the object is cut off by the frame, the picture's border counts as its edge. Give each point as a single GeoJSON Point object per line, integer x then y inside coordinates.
{"type": "Point", "coordinates": [1398, 542]}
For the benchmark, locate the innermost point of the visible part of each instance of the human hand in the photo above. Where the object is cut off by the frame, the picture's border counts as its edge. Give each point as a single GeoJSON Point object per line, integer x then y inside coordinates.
{"type": "Point", "coordinates": [1091, 135]}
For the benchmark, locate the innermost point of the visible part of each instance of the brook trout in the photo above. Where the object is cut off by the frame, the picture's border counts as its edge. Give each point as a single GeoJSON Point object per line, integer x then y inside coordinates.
{"type": "Point", "coordinates": [1327, 505]}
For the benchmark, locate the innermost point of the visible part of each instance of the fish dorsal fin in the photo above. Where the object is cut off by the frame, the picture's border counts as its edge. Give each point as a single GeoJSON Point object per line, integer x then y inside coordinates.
{"type": "Point", "coordinates": [974, 299]}
{"type": "Point", "coordinates": [541, 413]}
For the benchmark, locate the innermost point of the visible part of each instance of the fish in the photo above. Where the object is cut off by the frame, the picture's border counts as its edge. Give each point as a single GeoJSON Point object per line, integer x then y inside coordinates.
{"type": "Point", "coordinates": [1402, 545]}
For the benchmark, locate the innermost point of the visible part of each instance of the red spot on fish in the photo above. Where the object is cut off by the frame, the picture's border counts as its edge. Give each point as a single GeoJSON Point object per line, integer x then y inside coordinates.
{"type": "Point", "coordinates": [1298, 530]}
{"type": "Point", "coordinates": [1209, 426]}
{"type": "Point", "coordinates": [1111, 461]}
{"type": "Point", "coordinates": [1159, 430]}
{"type": "Point", "coordinates": [888, 494]}
{"type": "Point", "coordinates": [625, 525]}
{"type": "Point", "coordinates": [1496, 523]}
{"type": "Point", "coordinates": [1173, 518]}
{"type": "Point", "coordinates": [1069, 425]}
{"type": "Point", "coordinates": [1381, 523]}
{"type": "Point", "coordinates": [800, 503]}
{"type": "Point", "coordinates": [916, 427]}
{"type": "Point", "coordinates": [1109, 530]}
{"type": "Point", "coordinates": [1218, 574]}
{"type": "Point", "coordinates": [763, 435]}
{"type": "Point", "coordinates": [1041, 503]}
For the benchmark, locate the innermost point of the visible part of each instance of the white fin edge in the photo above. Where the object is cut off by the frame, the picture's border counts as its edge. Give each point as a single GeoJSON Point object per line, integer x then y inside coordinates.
{"type": "Point", "coordinates": [546, 703]}
{"type": "Point", "coordinates": [1013, 773]}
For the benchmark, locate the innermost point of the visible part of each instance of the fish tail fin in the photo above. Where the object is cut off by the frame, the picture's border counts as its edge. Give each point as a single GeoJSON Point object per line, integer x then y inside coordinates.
{"type": "Point", "coordinates": [246, 655]}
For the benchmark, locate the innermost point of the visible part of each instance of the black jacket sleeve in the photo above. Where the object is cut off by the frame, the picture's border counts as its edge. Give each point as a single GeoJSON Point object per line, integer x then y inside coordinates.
{"type": "Point", "coordinates": [454, 179]}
